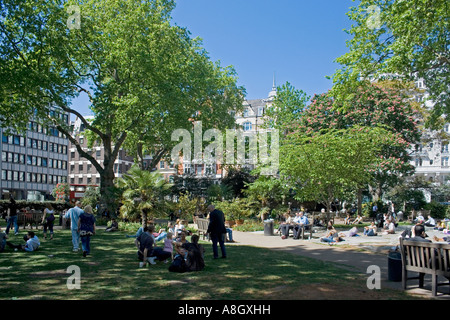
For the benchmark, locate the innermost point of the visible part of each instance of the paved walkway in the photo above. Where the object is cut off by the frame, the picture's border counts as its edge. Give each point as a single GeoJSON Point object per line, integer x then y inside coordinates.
{"type": "Point", "coordinates": [348, 254]}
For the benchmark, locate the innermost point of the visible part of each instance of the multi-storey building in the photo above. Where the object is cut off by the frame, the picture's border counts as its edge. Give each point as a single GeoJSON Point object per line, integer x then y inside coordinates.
{"type": "Point", "coordinates": [431, 156]}
{"type": "Point", "coordinates": [32, 164]}
{"type": "Point", "coordinates": [81, 172]}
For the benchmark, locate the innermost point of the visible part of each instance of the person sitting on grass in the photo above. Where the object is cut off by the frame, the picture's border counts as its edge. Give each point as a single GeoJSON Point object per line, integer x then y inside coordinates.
{"type": "Point", "coordinates": [180, 241]}
{"type": "Point", "coordinates": [358, 219]}
{"type": "Point", "coordinates": [32, 243]}
{"type": "Point", "coordinates": [390, 228]}
{"type": "Point", "coordinates": [371, 230]}
{"type": "Point", "coordinates": [195, 254]}
{"type": "Point", "coordinates": [144, 243]}
{"type": "Point", "coordinates": [113, 227]}
{"type": "Point", "coordinates": [348, 219]}
{"type": "Point", "coordinates": [331, 236]}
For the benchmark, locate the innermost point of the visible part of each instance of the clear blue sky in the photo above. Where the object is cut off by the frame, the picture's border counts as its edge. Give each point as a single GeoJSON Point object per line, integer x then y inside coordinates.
{"type": "Point", "coordinates": [298, 40]}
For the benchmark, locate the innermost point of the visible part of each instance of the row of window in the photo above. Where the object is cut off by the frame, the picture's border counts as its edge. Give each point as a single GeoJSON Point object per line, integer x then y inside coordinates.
{"type": "Point", "coordinates": [51, 131]}
{"type": "Point", "coordinates": [444, 147]}
{"type": "Point", "coordinates": [209, 169]}
{"type": "Point", "coordinates": [444, 162]}
{"type": "Point", "coordinates": [34, 144]}
{"type": "Point", "coordinates": [44, 145]}
{"type": "Point", "coordinates": [9, 175]}
{"type": "Point", "coordinates": [33, 160]}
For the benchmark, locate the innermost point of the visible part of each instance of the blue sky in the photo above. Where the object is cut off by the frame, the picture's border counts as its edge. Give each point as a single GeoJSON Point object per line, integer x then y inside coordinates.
{"type": "Point", "coordinates": [298, 40]}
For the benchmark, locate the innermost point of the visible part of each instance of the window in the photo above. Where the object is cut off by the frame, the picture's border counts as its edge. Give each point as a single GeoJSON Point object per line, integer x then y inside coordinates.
{"type": "Point", "coordinates": [4, 156]}
{"type": "Point", "coordinates": [444, 148]}
{"type": "Point", "coordinates": [161, 164]}
{"type": "Point", "coordinates": [44, 162]}
{"type": "Point", "coordinates": [247, 126]}
{"type": "Point", "coordinates": [246, 112]}
{"type": "Point", "coordinates": [187, 168]}
{"type": "Point", "coordinates": [446, 127]}
{"type": "Point", "coordinates": [444, 161]}
{"type": "Point", "coordinates": [210, 169]}
{"type": "Point", "coordinates": [260, 111]}
{"type": "Point", "coordinates": [29, 160]}
{"type": "Point", "coordinates": [4, 138]}
{"type": "Point", "coordinates": [80, 168]}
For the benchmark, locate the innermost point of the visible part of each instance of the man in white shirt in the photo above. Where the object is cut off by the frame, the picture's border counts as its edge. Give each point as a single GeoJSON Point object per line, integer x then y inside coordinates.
{"type": "Point", "coordinates": [300, 222]}
{"type": "Point", "coordinates": [32, 244]}
{"type": "Point", "coordinates": [430, 222]}
{"type": "Point", "coordinates": [74, 215]}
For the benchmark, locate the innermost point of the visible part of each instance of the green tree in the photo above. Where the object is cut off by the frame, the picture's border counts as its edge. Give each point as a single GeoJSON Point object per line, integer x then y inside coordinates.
{"type": "Point", "coordinates": [144, 77]}
{"type": "Point", "coordinates": [143, 194]}
{"type": "Point", "coordinates": [287, 108]}
{"type": "Point", "coordinates": [407, 39]}
{"type": "Point", "coordinates": [321, 165]}
{"type": "Point", "coordinates": [372, 106]}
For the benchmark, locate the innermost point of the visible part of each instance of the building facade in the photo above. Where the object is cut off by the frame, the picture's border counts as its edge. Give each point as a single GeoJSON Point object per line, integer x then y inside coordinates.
{"type": "Point", "coordinates": [32, 164]}
{"type": "Point", "coordinates": [431, 156]}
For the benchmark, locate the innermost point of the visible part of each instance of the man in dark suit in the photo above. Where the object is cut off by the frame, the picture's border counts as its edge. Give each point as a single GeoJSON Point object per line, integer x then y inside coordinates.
{"type": "Point", "coordinates": [217, 230]}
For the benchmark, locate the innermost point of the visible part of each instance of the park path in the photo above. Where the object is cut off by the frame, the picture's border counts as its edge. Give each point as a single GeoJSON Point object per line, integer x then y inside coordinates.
{"type": "Point", "coordinates": [358, 261]}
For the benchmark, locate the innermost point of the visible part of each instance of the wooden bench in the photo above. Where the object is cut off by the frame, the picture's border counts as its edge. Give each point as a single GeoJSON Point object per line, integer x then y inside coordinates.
{"type": "Point", "coordinates": [425, 258]}
{"type": "Point", "coordinates": [202, 226]}
{"type": "Point", "coordinates": [29, 218]}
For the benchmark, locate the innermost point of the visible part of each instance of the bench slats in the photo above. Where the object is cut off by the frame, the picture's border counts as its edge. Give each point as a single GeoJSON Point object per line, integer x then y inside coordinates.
{"type": "Point", "coordinates": [425, 258]}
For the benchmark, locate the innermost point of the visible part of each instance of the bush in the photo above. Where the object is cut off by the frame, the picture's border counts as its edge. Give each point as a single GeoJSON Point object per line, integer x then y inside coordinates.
{"type": "Point", "coordinates": [437, 210]}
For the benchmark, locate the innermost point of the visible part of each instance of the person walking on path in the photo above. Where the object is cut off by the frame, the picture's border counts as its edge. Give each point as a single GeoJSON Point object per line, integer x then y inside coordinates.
{"type": "Point", "coordinates": [74, 215]}
{"type": "Point", "coordinates": [86, 229]}
{"type": "Point", "coordinates": [12, 217]}
{"type": "Point", "coordinates": [217, 231]}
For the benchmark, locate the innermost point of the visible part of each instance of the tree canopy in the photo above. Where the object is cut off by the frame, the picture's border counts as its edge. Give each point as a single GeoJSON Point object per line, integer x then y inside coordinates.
{"type": "Point", "coordinates": [144, 76]}
{"type": "Point", "coordinates": [406, 39]}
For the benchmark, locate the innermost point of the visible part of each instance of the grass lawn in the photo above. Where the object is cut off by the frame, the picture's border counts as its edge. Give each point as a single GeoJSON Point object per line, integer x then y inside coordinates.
{"type": "Point", "coordinates": [112, 272]}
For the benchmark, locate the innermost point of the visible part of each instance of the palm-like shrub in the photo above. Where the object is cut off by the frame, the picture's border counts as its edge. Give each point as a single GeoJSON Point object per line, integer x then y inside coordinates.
{"type": "Point", "coordinates": [143, 194]}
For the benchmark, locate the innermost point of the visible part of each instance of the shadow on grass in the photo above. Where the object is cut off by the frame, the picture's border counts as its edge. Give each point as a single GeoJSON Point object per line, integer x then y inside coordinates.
{"type": "Point", "coordinates": [112, 272]}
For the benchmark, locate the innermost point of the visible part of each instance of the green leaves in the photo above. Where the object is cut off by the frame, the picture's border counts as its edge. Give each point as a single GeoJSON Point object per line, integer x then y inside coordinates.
{"type": "Point", "coordinates": [410, 43]}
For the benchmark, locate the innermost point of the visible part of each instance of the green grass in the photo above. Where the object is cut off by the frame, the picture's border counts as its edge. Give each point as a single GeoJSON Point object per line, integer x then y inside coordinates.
{"type": "Point", "coordinates": [112, 272]}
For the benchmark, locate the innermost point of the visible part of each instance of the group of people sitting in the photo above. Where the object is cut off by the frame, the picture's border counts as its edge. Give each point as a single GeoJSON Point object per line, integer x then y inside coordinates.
{"type": "Point", "coordinates": [185, 256]}
{"type": "Point", "coordinates": [297, 224]}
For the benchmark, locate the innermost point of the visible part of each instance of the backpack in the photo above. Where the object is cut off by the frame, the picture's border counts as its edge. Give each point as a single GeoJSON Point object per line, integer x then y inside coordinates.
{"type": "Point", "coordinates": [178, 265]}
{"type": "Point", "coordinates": [51, 218]}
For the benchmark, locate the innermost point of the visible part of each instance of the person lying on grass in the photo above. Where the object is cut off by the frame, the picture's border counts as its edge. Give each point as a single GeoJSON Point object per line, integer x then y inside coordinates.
{"type": "Point", "coordinates": [32, 243]}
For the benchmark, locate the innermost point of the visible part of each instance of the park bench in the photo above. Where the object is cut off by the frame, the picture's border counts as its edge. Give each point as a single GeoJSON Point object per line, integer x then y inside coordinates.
{"type": "Point", "coordinates": [202, 227]}
{"type": "Point", "coordinates": [29, 218]}
{"type": "Point", "coordinates": [425, 258]}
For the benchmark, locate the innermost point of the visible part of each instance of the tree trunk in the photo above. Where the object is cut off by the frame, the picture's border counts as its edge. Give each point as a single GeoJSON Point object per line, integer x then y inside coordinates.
{"type": "Point", "coordinates": [359, 201]}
